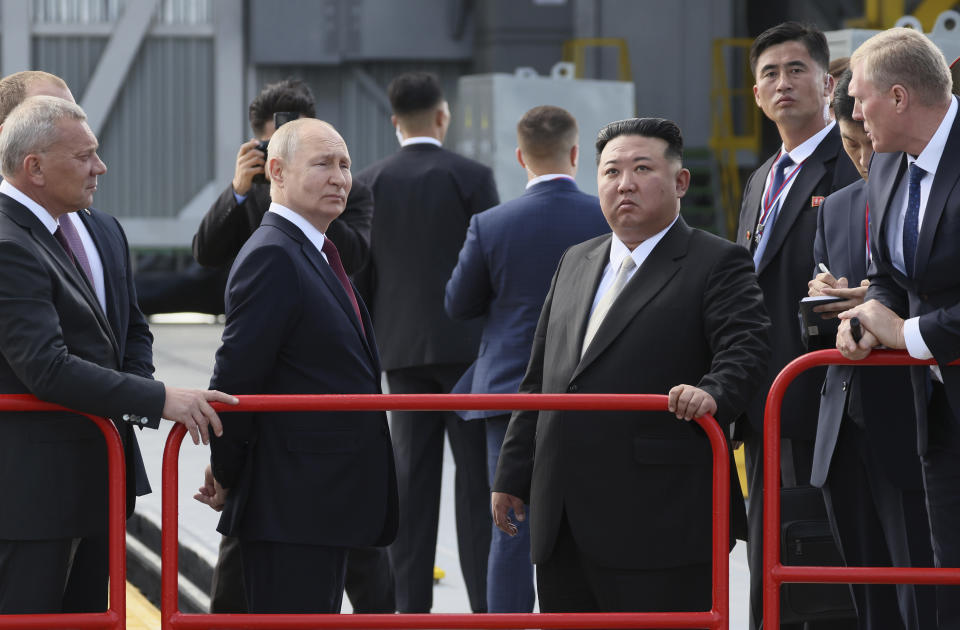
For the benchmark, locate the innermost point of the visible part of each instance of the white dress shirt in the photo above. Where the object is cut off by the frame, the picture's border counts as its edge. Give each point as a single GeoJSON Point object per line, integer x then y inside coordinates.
{"type": "Point", "coordinates": [619, 251]}
{"type": "Point", "coordinates": [93, 255]}
{"type": "Point", "coordinates": [798, 155]}
{"type": "Point", "coordinates": [420, 140]}
{"type": "Point", "coordinates": [313, 235]}
{"type": "Point", "coordinates": [547, 177]}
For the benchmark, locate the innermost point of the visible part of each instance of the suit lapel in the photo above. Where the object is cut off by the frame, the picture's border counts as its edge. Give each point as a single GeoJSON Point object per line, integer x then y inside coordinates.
{"type": "Point", "coordinates": [583, 284]}
{"type": "Point", "coordinates": [799, 197]}
{"type": "Point", "coordinates": [948, 172]}
{"type": "Point", "coordinates": [856, 234]}
{"type": "Point", "coordinates": [887, 169]}
{"type": "Point", "coordinates": [656, 271]}
{"type": "Point", "coordinates": [111, 265]}
{"type": "Point", "coordinates": [751, 205]}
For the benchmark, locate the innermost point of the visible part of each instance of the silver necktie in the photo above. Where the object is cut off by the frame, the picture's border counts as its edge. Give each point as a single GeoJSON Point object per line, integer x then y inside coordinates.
{"type": "Point", "coordinates": [599, 313]}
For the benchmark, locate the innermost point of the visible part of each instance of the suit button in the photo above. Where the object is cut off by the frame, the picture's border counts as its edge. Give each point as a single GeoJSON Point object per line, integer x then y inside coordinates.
{"type": "Point", "coordinates": [143, 420]}
{"type": "Point", "coordinates": [844, 387]}
{"type": "Point", "coordinates": [573, 389]}
{"type": "Point", "coordinates": [126, 417]}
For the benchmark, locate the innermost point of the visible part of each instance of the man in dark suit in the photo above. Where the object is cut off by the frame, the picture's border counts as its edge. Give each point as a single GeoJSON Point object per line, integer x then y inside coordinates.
{"type": "Point", "coordinates": [656, 308]}
{"type": "Point", "coordinates": [864, 458]}
{"type": "Point", "coordinates": [425, 196]}
{"type": "Point", "coordinates": [778, 221]}
{"type": "Point", "coordinates": [233, 217]}
{"type": "Point", "coordinates": [902, 88]}
{"type": "Point", "coordinates": [72, 335]}
{"type": "Point", "coordinates": [302, 488]}
{"type": "Point", "coordinates": [503, 275]}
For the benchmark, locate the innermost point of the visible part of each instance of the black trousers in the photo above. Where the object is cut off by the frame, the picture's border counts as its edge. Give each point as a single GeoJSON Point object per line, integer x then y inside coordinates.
{"type": "Point", "coordinates": [67, 575]}
{"type": "Point", "coordinates": [801, 458]}
{"type": "Point", "coordinates": [288, 578]}
{"type": "Point", "coordinates": [941, 478]}
{"type": "Point", "coordinates": [570, 582]}
{"type": "Point", "coordinates": [418, 445]}
{"type": "Point", "coordinates": [879, 524]}
{"type": "Point", "coordinates": [369, 580]}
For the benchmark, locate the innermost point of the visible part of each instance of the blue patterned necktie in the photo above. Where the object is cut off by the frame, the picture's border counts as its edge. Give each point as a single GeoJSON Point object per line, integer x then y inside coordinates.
{"type": "Point", "coordinates": [911, 220]}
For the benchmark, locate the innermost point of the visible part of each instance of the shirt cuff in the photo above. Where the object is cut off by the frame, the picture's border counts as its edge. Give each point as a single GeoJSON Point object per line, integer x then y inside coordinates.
{"type": "Point", "coordinates": [239, 198]}
{"type": "Point", "coordinates": [911, 336]}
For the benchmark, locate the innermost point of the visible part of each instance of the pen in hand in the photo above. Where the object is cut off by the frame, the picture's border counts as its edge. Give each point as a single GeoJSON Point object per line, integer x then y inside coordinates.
{"type": "Point", "coordinates": [856, 330]}
{"type": "Point", "coordinates": [824, 269]}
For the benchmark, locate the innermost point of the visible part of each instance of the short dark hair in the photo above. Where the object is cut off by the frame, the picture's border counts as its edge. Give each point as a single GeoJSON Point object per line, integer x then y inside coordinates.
{"type": "Point", "coordinates": [808, 35]}
{"type": "Point", "coordinates": [666, 130]}
{"type": "Point", "coordinates": [546, 131]}
{"type": "Point", "coordinates": [288, 95]}
{"type": "Point", "coordinates": [842, 101]}
{"type": "Point", "coordinates": [414, 92]}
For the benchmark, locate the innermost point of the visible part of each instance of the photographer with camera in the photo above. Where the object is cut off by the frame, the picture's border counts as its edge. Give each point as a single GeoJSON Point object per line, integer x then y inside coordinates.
{"type": "Point", "coordinates": [229, 222]}
{"type": "Point", "coordinates": [237, 212]}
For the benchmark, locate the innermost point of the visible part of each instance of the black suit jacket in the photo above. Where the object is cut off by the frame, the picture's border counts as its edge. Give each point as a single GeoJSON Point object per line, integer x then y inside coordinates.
{"type": "Point", "coordinates": [784, 271]}
{"type": "Point", "coordinates": [425, 196]}
{"type": "Point", "coordinates": [324, 478]}
{"type": "Point", "coordinates": [882, 397]}
{"type": "Point", "coordinates": [57, 343]}
{"type": "Point", "coordinates": [636, 487]}
{"type": "Point", "coordinates": [933, 292]}
{"type": "Point", "coordinates": [227, 225]}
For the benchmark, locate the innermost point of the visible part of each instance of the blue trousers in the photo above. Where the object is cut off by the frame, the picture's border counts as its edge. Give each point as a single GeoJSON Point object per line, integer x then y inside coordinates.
{"type": "Point", "coordinates": [509, 570]}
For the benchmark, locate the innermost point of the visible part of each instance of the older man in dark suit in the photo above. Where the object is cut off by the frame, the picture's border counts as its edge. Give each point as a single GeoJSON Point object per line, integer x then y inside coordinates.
{"type": "Point", "coordinates": [865, 458]}
{"type": "Point", "coordinates": [621, 500]}
{"type": "Point", "coordinates": [72, 335]}
{"type": "Point", "coordinates": [778, 221]}
{"type": "Point", "coordinates": [302, 488]}
{"type": "Point", "coordinates": [424, 196]}
{"type": "Point", "coordinates": [902, 88]}
{"type": "Point", "coordinates": [503, 274]}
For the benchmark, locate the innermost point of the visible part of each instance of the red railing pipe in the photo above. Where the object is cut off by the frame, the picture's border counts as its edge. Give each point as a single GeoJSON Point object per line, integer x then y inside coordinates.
{"type": "Point", "coordinates": [717, 617]}
{"type": "Point", "coordinates": [116, 615]}
{"type": "Point", "coordinates": [775, 573]}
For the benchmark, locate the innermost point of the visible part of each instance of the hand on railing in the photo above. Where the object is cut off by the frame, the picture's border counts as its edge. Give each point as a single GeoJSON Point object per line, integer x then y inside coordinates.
{"type": "Point", "coordinates": [881, 326]}
{"type": "Point", "coordinates": [191, 408]}
{"type": "Point", "coordinates": [689, 402]}
{"type": "Point", "coordinates": [211, 492]}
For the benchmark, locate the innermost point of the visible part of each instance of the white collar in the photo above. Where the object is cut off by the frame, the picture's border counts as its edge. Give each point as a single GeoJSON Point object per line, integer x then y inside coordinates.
{"type": "Point", "coordinates": [619, 251]}
{"type": "Point", "coordinates": [929, 158]}
{"type": "Point", "coordinates": [547, 177]}
{"type": "Point", "coordinates": [41, 213]}
{"type": "Point", "coordinates": [421, 140]}
{"type": "Point", "coordinates": [806, 148]}
{"type": "Point", "coordinates": [313, 235]}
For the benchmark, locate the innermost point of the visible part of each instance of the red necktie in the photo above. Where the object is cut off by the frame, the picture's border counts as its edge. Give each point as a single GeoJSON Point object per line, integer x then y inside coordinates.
{"type": "Point", "coordinates": [333, 257]}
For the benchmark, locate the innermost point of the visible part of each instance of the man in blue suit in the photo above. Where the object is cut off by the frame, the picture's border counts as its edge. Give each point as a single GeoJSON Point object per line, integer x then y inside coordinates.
{"type": "Point", "coordinates": [503, 274]}
{"type": "Point", "coordinates": [303, 487]}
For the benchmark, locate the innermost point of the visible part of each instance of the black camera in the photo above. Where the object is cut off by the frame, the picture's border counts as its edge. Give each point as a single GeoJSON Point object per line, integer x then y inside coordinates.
{"type": "Point", "coordinates": [279, 119]}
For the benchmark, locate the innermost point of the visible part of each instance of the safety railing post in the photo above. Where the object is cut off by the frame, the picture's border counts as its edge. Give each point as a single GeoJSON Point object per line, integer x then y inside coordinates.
{"type": "Point", "coordinates": [716, 618]}
{"type": "Point", "coordinates": [115, 615]}
{"type": "Point", "coordinates": [775, 574]}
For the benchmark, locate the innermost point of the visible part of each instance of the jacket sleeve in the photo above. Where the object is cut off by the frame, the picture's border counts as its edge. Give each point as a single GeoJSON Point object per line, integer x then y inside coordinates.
{"type": "Point", "coordinates": [350, 232]}
{"type": "Point", "coordinates": [469, 291]}
{"type": "Point", "coordinates": [227, 225]}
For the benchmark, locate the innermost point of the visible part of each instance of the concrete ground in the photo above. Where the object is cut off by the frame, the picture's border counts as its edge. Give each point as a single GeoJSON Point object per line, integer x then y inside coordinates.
{"type": "Point", "coordinates": [184, 354]}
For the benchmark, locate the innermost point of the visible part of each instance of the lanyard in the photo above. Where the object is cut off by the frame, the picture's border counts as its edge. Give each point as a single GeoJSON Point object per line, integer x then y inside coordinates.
{"type": "Point", "coordinates": [771, 198]}
{"type": "Point", "coordinates": [866, 221]}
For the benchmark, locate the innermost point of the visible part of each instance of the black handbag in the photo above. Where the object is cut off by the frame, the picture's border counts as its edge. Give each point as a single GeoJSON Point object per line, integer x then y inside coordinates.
{"type": "Point", "coordinates": [806, 540]}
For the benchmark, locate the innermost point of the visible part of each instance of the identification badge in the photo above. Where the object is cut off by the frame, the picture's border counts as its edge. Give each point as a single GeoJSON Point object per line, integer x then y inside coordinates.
{"type": "Point", "coordinates": [816, 201]}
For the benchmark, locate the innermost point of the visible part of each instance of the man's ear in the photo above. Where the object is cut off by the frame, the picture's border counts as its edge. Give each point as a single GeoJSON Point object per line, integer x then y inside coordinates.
{"type": "Point", "coordinates": [274, 170]}
{"type": "Point", "coordinates": [575, 155]}
{"type": "Point", "coordinates": [901, 97]}
{"type": "Point", "coordinates": [393, 120]}
{"type": "Point", "coordinates": [520, 158]}
{"type": "Point", "coordinates": [683, 182]}
{"type": "Point", "coordinates": [828, 84]}
{"type": "Point", "coordinates": [33, 168]}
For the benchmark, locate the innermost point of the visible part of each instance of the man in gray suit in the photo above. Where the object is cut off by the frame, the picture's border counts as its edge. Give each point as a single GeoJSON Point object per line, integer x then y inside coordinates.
{"type": "Point", "coordinates": [59, 342]}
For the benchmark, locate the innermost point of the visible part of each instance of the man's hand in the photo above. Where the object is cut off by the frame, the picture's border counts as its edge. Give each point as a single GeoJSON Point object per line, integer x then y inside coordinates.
{"type": "Point", "coordinates": [191, 408]}
{"type": "Point", "coordinates": [881, 326]}
{"type": "Point", "coordinates": [250, 161]}
{"type": "Point", "coordinates": [500, 505]}
{"type": "Point", "coordinates": [689, 402]}
{"type": "Point", "coordinates": [211, 492]}
{"type": "Point", "coordinates": [824, 284]}
{"type": "Point", "coordinates": [824, 280]}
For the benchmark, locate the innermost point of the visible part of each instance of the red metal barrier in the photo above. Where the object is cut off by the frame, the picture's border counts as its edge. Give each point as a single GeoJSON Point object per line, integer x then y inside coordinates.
{"type": "Point", "coordinates": [718, 617]}
{"type": "Point", "coordinates": [775, 573]}
{"type": "Point", "coordinates": [116, 615]}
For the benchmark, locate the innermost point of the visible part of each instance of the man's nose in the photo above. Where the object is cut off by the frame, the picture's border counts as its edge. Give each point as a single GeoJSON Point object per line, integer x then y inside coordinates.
{"type": "Point", "coordinates": [99, 168]}
{"type": "Point", "coordinates": [627, 182]}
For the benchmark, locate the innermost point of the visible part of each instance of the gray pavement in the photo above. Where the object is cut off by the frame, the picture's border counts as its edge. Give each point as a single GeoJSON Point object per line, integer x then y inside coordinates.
{"type": "Point", "coordinates": [184, 354]}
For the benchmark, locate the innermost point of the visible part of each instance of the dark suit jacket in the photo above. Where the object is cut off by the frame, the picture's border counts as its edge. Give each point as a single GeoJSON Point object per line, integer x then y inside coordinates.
{"type": "Point", "coordinates": [882, 397]}
{"type": "Point", "coordinates": [784, 271]}
{"type": "Point", "coordinates": [425, 196]}
{"type": "Point", "coordinates": [636, 488]}
{"type": "Point", "coordinates": [933, 293]}
{"type": "Point", "coordinates": [227, 225]}
{"type": "Point", "coordinates": [504, 272]}
{"type": "Point", "coordinates": [57, 343]}
{"type": "Point", "coordinates": [324, 478]}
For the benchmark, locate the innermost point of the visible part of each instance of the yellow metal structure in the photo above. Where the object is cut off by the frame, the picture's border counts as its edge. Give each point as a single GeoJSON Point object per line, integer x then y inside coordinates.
{"type": "Point", "coordinates": [736, 119]}
{"type": "Point", "coordinates": [881, 14]}
{"type": "Point", "coordinates": [575, 50]}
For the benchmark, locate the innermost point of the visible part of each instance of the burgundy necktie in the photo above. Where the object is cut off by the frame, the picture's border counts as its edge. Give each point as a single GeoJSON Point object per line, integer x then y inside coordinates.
{"type": "Point", "coordinates": [333, 257]}
{"type": "Point", "coordinates": [68, 237]}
